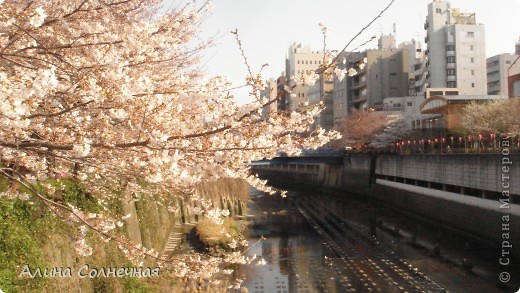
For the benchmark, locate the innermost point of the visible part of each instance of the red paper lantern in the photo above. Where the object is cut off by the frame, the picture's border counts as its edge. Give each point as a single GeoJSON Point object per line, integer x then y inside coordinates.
{"type": "Point", "coordinates": [436, 140]}
{"type": "Point", "coordinates": [460, 139]}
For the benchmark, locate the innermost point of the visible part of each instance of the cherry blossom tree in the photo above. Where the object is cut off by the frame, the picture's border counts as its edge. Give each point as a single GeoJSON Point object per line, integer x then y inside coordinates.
{"type": "Point", "coordinates": [497, 116]}
{"type": "Point", "coordinates": [107, 92]}
{"type": "Point", "coordinates": [394, 129]}
{"type": "Point", "coordinates": [360, 126]}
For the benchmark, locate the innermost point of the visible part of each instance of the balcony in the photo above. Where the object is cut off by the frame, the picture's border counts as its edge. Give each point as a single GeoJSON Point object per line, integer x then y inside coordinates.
{"type": "Point", "coordinates": [358, 85]}
{"type": "Point", "coordinates": [451, 65]}
{"type": "Point", "coordinates": [451, 78]}
{"type": "Point", "coordinates": [358, 100]}
{"type": "Point", "coordinates": [450, 53]}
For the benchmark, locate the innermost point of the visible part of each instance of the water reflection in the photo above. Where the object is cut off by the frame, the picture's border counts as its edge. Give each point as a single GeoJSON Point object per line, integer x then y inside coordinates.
{"type": "Point", "coordinates": [294, 252]}
{"type": "Point", "coordinates": [299, 260]}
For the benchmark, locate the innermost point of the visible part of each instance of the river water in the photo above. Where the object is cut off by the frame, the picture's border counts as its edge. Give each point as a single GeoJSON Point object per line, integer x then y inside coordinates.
{"type": "Point", "coordinates": [299, 259]}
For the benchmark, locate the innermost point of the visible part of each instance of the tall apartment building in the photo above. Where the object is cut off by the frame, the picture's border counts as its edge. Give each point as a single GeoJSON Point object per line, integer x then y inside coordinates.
{"type": "Point", "coordinates": [300, 61]}
{"type": "Point", "coordinates": [498, 72]}
{"type": "Point", "coordinates": [385, 74]}
{"type": "Point", "coordinates": [323, 91]}
{"type": "Point", "coordinates": [456, 50]}
{"type": "Point", "coordinates": [417, 69]}
{"type": "Point", "coordinates": [341, 102]}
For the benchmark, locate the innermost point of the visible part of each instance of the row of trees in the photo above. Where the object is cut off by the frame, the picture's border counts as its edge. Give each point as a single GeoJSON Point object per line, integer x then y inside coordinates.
{"type": "Point", "coordinates": [482, 124]}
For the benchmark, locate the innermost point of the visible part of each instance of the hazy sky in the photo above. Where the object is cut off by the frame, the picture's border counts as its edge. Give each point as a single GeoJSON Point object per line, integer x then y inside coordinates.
{"type": "Point", "coordinates": [268, 27]}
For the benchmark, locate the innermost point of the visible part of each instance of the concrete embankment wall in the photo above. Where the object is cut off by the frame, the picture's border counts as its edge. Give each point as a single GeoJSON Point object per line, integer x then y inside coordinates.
{"type": "Point", "coordinates": [476, 194]}
{"type": "Point", "coordinates": [482, 172]}
{"type": "Point", "coordinates": [463, 192]}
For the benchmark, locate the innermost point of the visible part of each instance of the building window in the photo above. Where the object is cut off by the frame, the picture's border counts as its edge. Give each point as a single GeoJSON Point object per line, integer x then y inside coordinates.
{"type": "Point", "coordinates": [472, 72]}
{"type": "Point", "coordinates": [450, 48]}
{"type": "Point", "coordinates": [450, 59]}
{"type": "Point", "coordinates": [471, 34]}
{"type": "Point", "coordinates": [450, 72]}
{"type": "Point", "coordinates": [472, 60]}
{"type": "Point", "coordinates": [452, 84]}
{"type": "Point", "coordinates": [438, 10]}
{"type": "Point", "coordinates": [471, 47]}
{"type": "Point", "coordinates": [472, 84]}
{"type": "Point", "coordinates": [516, 89]}
{"type": "Point", "coordinates": [409, 104]}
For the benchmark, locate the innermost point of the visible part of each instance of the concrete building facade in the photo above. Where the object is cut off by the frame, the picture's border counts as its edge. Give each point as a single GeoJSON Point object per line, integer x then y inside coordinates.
{"type": "Point", "coordinates": [341, 96]}
{"type": "Point", "coordinates": [498, 70]}
{"type": "Point", "coordinates": [456, 50]}
{"type": "Point", "coordinates": [386, 74]}
{"type": "Point", "coordinates": [417, 68]}
{"type": "Point", "coordinates": [300, 61]}
{"type": "Point", "coordinates": [323, 91]}
{"type": "Point", "coordinates": [270, 93]}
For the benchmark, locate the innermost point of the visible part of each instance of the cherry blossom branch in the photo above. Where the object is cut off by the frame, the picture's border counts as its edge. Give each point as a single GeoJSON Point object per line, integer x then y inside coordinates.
{"type": "Point", "coordinates": [239, 42]}
{"type": "Point", "coordinates": [49, 115]}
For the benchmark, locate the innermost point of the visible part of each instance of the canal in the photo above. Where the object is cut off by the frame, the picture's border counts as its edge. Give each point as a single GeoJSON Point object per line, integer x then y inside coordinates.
{"type": "Point", "coordinates": [322, 243]}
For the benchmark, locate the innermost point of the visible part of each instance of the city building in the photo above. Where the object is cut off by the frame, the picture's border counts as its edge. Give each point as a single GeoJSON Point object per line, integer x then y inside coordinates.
{"type": "Point", "coordinates": [300, 61]}
{"type": "Point", "coordinates": [498, 71]}
{"type": "Point", "coordinates": [449, 109]}
{"type": "Point", "coordinates": [456, 50]}
{"type": "Point", "coordinates": [417, 69]}
{"type": "Point", "coordinates": [514, 74]}
{"type": "Point", "coordinates": [409, 108]}
{"type": "Point", "coordinates": [271, 94]}
{"type": "Point", "coordinates": [323, 91]}
{"type": "Point", "coordinates": [385, 74]}
{"type": "Point", "coordinates": [340, 88]}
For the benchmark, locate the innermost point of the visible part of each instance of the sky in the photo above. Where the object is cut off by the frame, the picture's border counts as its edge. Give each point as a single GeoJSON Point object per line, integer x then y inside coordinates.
{"type": "Point", "coordinates": [268, 27]}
